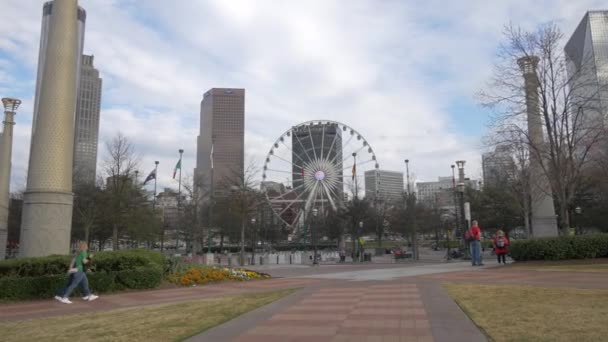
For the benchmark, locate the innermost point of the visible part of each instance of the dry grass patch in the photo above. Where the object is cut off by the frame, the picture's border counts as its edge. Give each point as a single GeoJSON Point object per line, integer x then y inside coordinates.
{"type": "Point", "coordinates": [526, 313]}
{"type": "Point", "coordinates": [586, 265]}
{"type": "Point", "coordinates": [166, 322]}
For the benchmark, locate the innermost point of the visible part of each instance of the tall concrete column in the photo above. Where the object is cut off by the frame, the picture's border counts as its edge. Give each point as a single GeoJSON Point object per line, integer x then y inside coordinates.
{"type": "Point", "coordinates": [544, 221]}
{"type": "Point", "coordinates": [6, 150]}
{"type": "Point", "coordinates": [47, 205]}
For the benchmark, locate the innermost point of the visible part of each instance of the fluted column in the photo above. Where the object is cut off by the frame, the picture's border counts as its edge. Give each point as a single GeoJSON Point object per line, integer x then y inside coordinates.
{"type": "Point", "coordinates": [47, 206]}
{"type": "Point", "coordinates": [544, 221]}
{"type": "Point", "coordinates": [6, 148]}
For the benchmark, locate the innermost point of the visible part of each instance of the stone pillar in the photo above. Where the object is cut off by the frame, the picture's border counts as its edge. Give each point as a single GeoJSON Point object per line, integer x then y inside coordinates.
{"type": "Point", "coordinates": [47, 205]}
{"type": "Point", "coordinates": [6, 148]}
{"type": "Point", "coordinates": [544, 221]}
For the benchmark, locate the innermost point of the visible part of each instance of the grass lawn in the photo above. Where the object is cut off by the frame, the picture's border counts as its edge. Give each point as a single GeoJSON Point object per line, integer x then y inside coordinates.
{"type": "Point", "coordinates": [585, 265]}
{"type": "Point", "coordinates": [166, 322]}
{"type": "Point", "coordinates": [527, 313]}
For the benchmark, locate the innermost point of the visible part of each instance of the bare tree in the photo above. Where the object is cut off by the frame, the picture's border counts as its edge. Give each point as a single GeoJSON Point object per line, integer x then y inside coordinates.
{"type": "Point", "coordinates": [243, 199]}
{"type": "Point", "coordinates": [565, 97]}
{"type": "Point", "coordinates": [119, 168]}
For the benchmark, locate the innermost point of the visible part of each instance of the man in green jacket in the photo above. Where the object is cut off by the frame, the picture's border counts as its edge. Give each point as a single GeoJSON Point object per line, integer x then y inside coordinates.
{"type": "Point", "coordinates": [78, 276]}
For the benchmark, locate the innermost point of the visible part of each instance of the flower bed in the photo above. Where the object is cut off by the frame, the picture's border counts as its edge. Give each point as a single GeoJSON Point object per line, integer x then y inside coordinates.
{"type": "Point", "coordinates": [198, 275]}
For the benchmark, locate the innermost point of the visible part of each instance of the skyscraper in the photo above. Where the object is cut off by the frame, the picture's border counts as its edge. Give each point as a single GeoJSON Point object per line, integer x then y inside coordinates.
{"type": "Point", "coordinates": [384, 185]}
{"type": "Point", "coordinates": [222, 133]}
{"type": "Point", "coordinates": [587, 63]}
{"type": "Point", "coordinates": [86, 127]}
{"type": "Point", "coordinates": [497, 166]}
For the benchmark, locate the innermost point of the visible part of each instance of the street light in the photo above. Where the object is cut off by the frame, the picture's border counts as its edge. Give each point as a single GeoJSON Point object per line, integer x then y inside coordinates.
{"type": "Point", "coordinates": [360, 249]}
{"type": "Point", "coordinates": [578, 211]}
{"type": "Point", "coordinates": [253, 236]}
{"type": "Point", "coordinates": [315, 212]}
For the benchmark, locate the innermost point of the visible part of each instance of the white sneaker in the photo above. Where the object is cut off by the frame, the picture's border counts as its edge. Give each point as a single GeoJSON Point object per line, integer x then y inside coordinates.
{"type": "Point", "coordinates": [92, 297]}
{"type": "Point", "coordinates": [58, 298]}
{"type": "Point", "coordinates": [65, 300]}
{"type": "Point", "coordinates": [85, 298]}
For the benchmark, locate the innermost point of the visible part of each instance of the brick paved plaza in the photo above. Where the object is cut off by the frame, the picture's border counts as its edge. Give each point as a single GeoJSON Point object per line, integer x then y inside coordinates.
{"type": "Point", "coordinates": [337, 303]}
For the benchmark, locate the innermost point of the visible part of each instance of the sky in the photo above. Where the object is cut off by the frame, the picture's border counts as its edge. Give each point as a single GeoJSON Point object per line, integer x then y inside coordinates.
{"type": "Point", "coordinates": [402, 73]}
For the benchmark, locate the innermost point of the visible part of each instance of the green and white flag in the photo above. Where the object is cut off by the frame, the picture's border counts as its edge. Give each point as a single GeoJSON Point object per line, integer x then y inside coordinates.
{"type": "Point", "coordinates": [177, 166]}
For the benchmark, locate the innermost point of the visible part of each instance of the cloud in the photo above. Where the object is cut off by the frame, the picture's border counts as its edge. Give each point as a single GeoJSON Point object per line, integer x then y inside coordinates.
{"type": "Point", "coordinates": [392, 70]}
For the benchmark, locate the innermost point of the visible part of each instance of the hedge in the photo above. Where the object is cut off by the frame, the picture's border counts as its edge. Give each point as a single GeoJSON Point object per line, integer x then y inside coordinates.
{"type": "Point", "coordinates": [111, 261]}
{"type": "Point", "coordinates": [560, 248]}
{"type": "Point", "coordinates": [16, 288]}
{"type": "Point", "coordinates": [32, 278]}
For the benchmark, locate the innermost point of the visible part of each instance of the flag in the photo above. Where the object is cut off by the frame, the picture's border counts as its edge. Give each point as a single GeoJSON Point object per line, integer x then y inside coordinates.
{"type": "Point", "coordinates": [151, 176]}
{"type": "Point", "coordinates": [211, 156]}
{"type": "Point", "coordinates": [177, 166]}
{"type": "Point", "coordinates": [354, 170]}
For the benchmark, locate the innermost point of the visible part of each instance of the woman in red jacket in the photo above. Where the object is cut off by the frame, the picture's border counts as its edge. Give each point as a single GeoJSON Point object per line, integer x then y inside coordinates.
{"type": "Point", "coordinates": [501, 245]}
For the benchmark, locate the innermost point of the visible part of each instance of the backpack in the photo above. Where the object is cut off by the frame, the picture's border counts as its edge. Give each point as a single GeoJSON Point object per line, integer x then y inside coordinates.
{"type": "Point", "coordinates": [500, 242]}
{"type": "Point", "coordinates": [468, 235]}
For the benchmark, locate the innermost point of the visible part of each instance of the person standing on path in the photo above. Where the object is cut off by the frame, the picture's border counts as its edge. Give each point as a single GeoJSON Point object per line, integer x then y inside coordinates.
{"type": "Point", "coordinates": [474, 236]}
{"type": "Point", "coordinates": [78, 277]}
{"type": "Point", "coordinates": [501, 245]}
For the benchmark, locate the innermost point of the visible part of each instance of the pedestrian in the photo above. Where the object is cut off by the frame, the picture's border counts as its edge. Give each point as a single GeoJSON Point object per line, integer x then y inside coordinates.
{"type": "Point", "coordinates": [473, 236]}
{"type": "Point", "coordinates": [501, 246]}
{"type": "Point", "coordinates": [77, 277]}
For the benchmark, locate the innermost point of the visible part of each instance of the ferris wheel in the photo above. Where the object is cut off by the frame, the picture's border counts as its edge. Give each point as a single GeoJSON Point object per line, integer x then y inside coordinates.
{"type": "Point", "coordinates": [314, 167]}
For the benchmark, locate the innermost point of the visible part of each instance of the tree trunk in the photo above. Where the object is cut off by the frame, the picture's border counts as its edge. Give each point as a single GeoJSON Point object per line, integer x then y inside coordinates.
{"type": "Point", "coordinates": [221, 242]}
{"type": "Point", "coordinates": [242, 256]}
{"type": "Point", "coordinates": [115, 237]}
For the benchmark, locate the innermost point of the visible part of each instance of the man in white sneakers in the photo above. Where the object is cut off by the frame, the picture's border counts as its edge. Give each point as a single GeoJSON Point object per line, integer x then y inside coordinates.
{"type": "Point", "coordinates": [77, 277]}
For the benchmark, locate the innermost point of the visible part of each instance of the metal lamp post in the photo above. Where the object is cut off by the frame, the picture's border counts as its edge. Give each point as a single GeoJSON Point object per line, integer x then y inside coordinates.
{"type": "Point", "coordinates": [315, 212]}
{"type": "Point", "coordinates": [578, 211]}
{"type": "Point", "coordinates": [359, 240]}
{"type": "Point", "coordinates": [253, 240]}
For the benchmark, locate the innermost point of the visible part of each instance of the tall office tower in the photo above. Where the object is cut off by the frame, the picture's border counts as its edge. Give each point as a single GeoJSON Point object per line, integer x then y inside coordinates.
{"type": "Point", "coordinates": [86, 129]}
{"type": "Point", "coordinates": [544, 222]}
{"type": "Point", "coordinates": [498, 166]}
{"type": "Point", "coordinates": [384, 185]}
{"type": "Point", "coordinates": [47, 205]}
{"type": "Point", "coordinates": [222, 130]}
{"type": "Point", "coordinates": [587, 64]}
{"type": "Point", "coordinates": [315, 140]}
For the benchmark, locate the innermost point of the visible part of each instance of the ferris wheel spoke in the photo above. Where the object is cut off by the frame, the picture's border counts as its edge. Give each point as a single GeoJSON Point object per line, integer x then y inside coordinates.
{"type": "Point", "coordinates": [287, 193]}
{"type": "Point", "coordinates": [333, 142]}
{"type": "Point", "coordinates": [288, 162]}
{"type": "Point", "coordinates": [282, 171]}
{"type": "Point", "coordinates": [359, 164]}
{"type": "Point", "coordinates": [310, 198]}
{"type": "Point", "coordinates": [329, 197]}
{"type": "Point", "coordinates": [294, 154]}
{"type": "Point", "coordinates": [303, 148]}
{"type": "Point", "coordinates": [312, 143]}
{"type": "Point", "coordinates": [322, 141]}
{"type": "Point", "coordinates": [291, 203]}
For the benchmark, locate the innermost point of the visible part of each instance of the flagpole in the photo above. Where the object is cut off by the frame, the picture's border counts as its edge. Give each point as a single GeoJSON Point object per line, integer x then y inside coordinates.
{"type": "Point", "coordinates": [355, 175]}
{"type": "Point", "coordinates": [155, 176]}
{"type": "Point", "coordinates": [179, 198]}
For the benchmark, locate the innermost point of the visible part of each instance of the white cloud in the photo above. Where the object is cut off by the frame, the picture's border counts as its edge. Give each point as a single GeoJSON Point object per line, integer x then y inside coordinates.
{"type": "Point", "coordinates": [388, 69]}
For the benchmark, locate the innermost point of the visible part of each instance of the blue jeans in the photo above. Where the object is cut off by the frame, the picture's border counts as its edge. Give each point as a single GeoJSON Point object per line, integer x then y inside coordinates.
{"type": "Point", "coordinates": [62, 291]}
{"type": "Point", "coordinates": [475, 247]}
{"type": "Point", "coordinates": [78, 278]}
